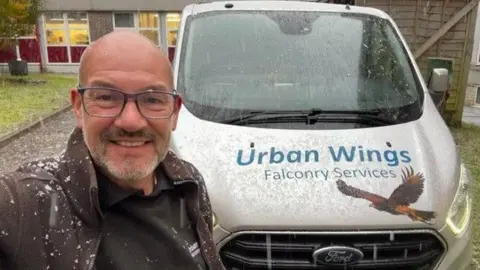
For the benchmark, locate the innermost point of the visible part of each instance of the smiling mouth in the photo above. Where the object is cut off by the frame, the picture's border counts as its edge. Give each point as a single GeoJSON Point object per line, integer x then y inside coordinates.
{"type": "Point", "coordinates": [130, 143]}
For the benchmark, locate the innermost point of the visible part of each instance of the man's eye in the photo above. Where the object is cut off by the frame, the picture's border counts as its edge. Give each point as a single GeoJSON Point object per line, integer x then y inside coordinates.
{"type": "Point", "coordinates": [154, 100]}
{"type": "Point", "coordinates": [104, 97]}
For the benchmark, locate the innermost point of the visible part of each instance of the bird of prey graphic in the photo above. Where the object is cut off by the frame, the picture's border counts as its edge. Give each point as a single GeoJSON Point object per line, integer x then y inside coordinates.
{"type": "Point", "coordinates": [399, 201]}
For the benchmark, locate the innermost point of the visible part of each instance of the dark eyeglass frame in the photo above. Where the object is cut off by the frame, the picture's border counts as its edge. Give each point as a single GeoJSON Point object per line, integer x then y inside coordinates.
{"type": "Point", "coordinates": [126, 97]}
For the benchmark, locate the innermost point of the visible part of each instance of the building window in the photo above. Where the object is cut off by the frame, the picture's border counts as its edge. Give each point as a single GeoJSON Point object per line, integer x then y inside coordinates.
{"type": "Point", "coordinates": [173, 23]}
{"type": "Point", "coordinates": [124, 20]}
{"type": "Point", "coordinates": [146, 23]}
{"type": "Point", "coordinates": [67, 36]}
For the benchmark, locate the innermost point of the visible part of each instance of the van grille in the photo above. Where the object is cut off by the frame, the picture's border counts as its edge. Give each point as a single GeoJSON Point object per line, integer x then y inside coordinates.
{"type": "Point", "coordinates": [391, 250]}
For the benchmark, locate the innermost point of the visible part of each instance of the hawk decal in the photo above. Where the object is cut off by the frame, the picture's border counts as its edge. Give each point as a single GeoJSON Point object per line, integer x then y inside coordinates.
{"type": "Point", "coordinates": [399, 201]}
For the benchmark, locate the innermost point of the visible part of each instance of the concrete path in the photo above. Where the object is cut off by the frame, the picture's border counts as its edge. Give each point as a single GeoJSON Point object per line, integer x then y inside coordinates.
{"type": "Point", "coordinates": [472, 115]}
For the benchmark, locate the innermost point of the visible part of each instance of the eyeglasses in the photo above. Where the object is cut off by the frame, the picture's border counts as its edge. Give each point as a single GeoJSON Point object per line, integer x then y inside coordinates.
{"type": "Point", "coordinates": [109, 102]}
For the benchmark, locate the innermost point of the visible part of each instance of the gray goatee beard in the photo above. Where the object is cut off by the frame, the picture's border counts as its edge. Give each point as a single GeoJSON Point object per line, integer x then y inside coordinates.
{"type": "Point", "coordinates": [130, 170]}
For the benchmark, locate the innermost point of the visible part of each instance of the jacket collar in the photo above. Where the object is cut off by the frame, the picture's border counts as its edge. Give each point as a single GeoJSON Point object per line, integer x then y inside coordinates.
{"type": "Point", "coordinates": [80, 182]}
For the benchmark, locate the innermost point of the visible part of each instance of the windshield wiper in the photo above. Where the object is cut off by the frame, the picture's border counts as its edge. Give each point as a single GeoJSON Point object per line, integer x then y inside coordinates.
{"type": "Point", "coordinates": [264, 114]}
{"type": "Point", "coordinates": [311, 116]}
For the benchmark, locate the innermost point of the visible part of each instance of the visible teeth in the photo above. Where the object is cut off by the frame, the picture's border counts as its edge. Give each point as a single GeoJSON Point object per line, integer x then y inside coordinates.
{"type": "Point", "coordinates": [129, 143]}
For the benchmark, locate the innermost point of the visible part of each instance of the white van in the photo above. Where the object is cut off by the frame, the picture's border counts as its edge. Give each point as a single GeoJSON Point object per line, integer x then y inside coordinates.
{"type": "Point", "coordinates": [318, 139]}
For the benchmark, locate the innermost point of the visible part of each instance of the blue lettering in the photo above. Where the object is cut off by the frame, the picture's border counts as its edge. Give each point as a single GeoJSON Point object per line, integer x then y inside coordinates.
{"type": "Point", "coordinates": [377, 153]}
{"type": "Point", "coordinates": [297, 159]}
{"type": "Point", "coordinates": [406, 156]}
{"type": "Point", "coordinates": [342, 152]}
{"type": "Point", "coordinates": [360, 153]}
{"type": "Point", "coordinates": [274, 154]}
{"type": "Point", "coordinates": [260, 157]}
{"type": "Point", "coordinates": [338, 154]}
{"type": "Point", "coordinates": [391, 157]}
{"type": "Point", "coordinates": [240, 155]}
{"type": "Point", "coordinates": [307, 155]}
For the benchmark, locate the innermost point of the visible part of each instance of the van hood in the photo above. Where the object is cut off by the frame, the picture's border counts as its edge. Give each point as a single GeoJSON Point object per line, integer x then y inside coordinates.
{"type": "Point", "coordinates": [371, 178]}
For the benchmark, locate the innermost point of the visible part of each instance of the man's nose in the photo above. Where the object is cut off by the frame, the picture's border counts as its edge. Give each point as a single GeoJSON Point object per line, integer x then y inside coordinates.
{"type": "Point", "coordinates": [130, 119]}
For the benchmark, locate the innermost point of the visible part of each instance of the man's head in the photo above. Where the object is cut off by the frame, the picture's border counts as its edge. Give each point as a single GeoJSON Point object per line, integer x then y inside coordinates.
{"type": "Point", "coordinates": [128, 145]}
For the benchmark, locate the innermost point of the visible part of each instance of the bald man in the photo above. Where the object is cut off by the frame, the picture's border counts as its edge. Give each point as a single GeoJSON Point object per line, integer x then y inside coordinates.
{"type": "Point", "coordinates": [116, 198]}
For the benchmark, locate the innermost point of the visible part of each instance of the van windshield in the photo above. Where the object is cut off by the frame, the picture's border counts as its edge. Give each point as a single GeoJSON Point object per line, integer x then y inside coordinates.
{"type": "Point", "coordinates": [242, 61]}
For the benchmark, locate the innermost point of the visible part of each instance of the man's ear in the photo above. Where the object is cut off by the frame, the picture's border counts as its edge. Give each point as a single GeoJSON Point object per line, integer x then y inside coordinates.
{"type": "Point", "coordinates": [176, 111]}
{"type": "Point", "coordinates": [76, 100]}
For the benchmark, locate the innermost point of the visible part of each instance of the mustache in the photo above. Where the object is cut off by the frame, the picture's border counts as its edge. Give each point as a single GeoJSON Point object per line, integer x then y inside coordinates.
{"type": "Point", "coordinates": [120, 133]}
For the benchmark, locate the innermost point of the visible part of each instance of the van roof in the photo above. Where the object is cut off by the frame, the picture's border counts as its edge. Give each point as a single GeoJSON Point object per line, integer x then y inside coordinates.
{"type": "Point", "coordinates": [295, 5]}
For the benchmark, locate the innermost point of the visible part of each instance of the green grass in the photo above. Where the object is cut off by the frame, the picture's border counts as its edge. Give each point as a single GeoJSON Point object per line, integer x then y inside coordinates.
{"type": "Point", "coordinates": [468, 139]}
{"type": "Point", "coordinates": [21, 104]}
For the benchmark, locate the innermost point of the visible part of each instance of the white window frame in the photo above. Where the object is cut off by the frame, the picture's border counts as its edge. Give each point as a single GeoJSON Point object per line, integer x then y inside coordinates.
{"type": "Point", "coordinates": [136, 26]}
{"type": "Point", "coordinates": [67, 44]}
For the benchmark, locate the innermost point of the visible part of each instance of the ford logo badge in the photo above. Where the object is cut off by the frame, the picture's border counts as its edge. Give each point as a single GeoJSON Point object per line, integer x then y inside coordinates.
{"type": "Point", "coordinates": [337, 255]}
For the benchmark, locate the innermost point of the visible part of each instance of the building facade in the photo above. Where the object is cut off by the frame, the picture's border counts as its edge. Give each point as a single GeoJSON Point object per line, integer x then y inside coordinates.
{"type": "Point", "coordinates": [67, 27]}
{"type": "Point", "coordinates": [472, 95]}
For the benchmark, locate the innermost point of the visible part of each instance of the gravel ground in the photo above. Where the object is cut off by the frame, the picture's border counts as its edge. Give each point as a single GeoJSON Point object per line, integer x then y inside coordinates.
{"type": "Point", "coordinates": [45, 141]}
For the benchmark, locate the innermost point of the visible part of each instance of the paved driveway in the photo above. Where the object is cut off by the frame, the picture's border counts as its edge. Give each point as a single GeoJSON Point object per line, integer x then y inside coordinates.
{"type": "Point", "coordinates": [471, 115]}
{"type": "Point", "coordinates": [45, 141]}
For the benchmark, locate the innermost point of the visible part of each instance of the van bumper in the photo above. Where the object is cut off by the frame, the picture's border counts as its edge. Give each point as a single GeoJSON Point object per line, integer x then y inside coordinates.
{"type": "Point", "coordinates": [459, 250]}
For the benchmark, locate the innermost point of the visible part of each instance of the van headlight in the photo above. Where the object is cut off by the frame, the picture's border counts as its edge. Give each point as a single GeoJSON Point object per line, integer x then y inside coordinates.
{"type": "Point", "coordinates": [459, 213]}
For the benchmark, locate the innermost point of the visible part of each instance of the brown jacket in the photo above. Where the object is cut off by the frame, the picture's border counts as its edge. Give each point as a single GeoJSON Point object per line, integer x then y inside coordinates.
{"type": "Point", "coordinates": [49, 211]}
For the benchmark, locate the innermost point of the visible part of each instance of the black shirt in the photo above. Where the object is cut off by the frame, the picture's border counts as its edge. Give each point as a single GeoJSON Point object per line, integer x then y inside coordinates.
{"type": "Point", "coordinates": [146, 231]}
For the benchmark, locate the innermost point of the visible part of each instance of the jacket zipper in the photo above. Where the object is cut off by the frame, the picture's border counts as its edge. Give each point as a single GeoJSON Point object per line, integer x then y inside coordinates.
{"type": "Point", "coordinates": [99, 238]}
{"type": "Point", "coordinates": [199, 216]}
{"type": "Point", "coordinates": [75, 203]}
{"type": "Point", "coordinates": [97, 245]}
